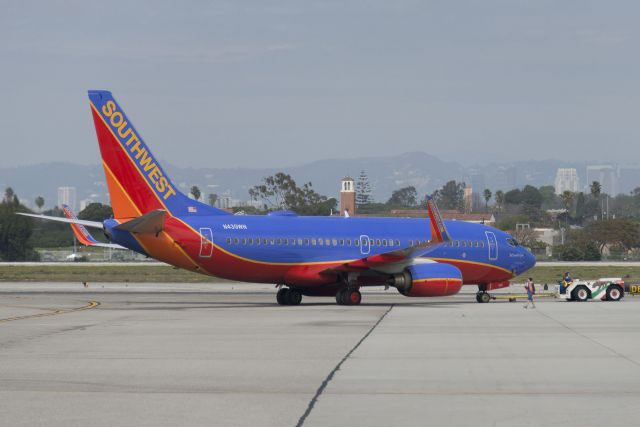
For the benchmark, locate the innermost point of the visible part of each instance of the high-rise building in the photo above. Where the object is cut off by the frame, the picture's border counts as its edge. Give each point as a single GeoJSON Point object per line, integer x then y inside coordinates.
{"type": "Point", "coordinates": [606, 175]}
{"type": "Point", "coordinates": [566, 180]}
{"type": "Point", "coordinates": [67, 196]}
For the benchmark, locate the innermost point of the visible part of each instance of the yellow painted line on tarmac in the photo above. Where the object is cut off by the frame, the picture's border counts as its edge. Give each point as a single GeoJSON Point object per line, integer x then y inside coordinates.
{"type": "Point", "coordinates": [92, 304]}
{"type": "Point", "coordinates": [524, 296]}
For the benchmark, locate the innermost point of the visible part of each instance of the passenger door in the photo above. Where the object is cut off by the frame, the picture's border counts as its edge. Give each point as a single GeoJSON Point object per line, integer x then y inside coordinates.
{"type": "Point", "coordinates": [206, 245]}
{"type": "Point", "coordinates": [365, 248]}
{"type": "Point", "coordinates": [492, 245]}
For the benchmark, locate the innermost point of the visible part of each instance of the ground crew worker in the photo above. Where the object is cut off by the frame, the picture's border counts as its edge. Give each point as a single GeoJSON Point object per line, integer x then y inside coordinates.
{"type": "Point", "coordinates": [566, 282]}
{"type": "Point", "coordinates": [531, 290]}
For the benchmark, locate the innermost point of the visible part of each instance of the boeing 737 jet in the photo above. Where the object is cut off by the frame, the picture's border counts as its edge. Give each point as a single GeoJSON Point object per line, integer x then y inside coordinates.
{"type": "Point", "coordinates": [311, 256]}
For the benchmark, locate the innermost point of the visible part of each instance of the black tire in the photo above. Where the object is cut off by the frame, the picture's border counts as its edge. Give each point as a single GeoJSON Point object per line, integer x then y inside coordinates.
{"type": "Point", "coordinates": [614, 293]}
{"type": "Point", "coordinates": [485, 297]}
{"type": "Point", "coordinates": [340, 297]}
{"type": "Point", "coordinates": [282, 296]}
{"type": "Point", "coordinates": [580, 294]}
{"type": "Point", "coordinates": [294, 297]}
{"type": "Point", "coordinates": [478, 297]}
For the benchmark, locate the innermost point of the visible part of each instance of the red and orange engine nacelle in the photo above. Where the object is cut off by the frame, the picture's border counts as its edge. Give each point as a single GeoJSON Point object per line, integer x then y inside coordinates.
{"type": "Point", "coordinates": [428, 280]}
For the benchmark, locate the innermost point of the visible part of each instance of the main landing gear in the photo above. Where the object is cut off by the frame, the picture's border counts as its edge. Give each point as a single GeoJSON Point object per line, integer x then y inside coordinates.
{"type": "Point", "coordinates": [288, 296]}
{"type": "Point", "coordinates": [348, 296]}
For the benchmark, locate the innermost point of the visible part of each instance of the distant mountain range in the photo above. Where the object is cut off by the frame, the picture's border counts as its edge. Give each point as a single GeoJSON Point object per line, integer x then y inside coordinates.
{"type": "Point", "coordinates": [421, 170]}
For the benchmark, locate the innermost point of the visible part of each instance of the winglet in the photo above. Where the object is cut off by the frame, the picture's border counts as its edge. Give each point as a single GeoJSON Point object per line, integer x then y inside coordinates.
{"type": "Point", "coordinates": [81, 233]}
{"type": "Point", "coordinates": [439, 232]}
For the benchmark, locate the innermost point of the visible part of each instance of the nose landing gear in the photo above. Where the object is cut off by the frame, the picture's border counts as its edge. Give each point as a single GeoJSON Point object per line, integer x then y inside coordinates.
{"type": "Point", "coordinates": [483, 297]}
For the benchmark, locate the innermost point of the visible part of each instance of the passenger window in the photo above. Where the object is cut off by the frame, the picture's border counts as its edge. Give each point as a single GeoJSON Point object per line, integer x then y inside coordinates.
{"type": "Point", "coordinates": [377, 242]}
{"type": "Point", "coordinates": [236, 241]}
{"type": "Point", "coordinates": [482, 244]}
{"type": "Point", "coordinates": [457, 243]}
{"type": "Point", "coordinates": [293, 242]}
{"type": "Point", "coordinates": [397, 242]}
{"type": "Point", "coordinates": [285, 241]}
{"type": "Point", "coordinates": [410, 242]}
{"type": "Point", "coordinates": [272, 241]}
{"type": "Point", "coordinates": [335, 242]}
{"type": "Point", "coordinates": [384, 242]}
{"type": "Point", "coordinates": [228, 240]}
{"type": "Point", "coordinates": [320, 242]}
{"type": "Point", "coordinates": [356, 242]}
{"type": "Point", "coordinates": [371, 242]}
{"type": "Point", "coordinates": [464, 244]}
{"type": "Point", "coordinates": [258, 242]}
{"type": "Point", "coordinates": [348, 242]}
{"type": "Point", "coordinates": [313, 242]}
{"type": "Point", "coordinates": [244, 241]}
{"type": "Point", "coordinates": [300, 242]}
{"type": "Point", "coordinates": [341, 242]}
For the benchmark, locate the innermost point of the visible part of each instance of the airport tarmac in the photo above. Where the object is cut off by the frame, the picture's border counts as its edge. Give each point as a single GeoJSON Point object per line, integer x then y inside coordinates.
{"type": "Point", "coordinates": [227, 355]}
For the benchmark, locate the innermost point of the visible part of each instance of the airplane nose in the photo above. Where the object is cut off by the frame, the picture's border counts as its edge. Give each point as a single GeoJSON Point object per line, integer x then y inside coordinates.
{"type": "Point", "coordinates": [530, 259]}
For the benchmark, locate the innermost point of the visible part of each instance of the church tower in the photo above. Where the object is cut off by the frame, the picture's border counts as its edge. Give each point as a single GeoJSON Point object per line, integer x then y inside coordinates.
{"type": "Point", "coordinates": [348, 196]}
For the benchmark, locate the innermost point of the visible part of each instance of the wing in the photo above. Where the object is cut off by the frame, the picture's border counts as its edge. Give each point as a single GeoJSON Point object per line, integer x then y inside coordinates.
{"type": "Point", "coordinates": [93, 224]}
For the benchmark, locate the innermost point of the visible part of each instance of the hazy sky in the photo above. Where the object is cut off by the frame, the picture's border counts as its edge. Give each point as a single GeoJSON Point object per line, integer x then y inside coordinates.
{"type": "Point", "coordinates": [276, 83]}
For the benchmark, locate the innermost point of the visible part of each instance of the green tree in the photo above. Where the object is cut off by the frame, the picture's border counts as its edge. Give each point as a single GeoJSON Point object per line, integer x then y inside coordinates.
{"type": "Point", "coordinates": [96, 212]}
{"type": "Point", "coordinates": [40, 203]}
{"type": "Point", "coordinates": [363, 190]}
{"type": "Point", "coordinates": [567, 200]}
{"type": "Point", "coordinates": [595, 189]}
{"type": "Point", "coordinates": [280, 191]}
{"type": "Point", "coordinates": [513, 197]}
{"type": "Point", "coordinates": [621, 231]}
{"type": "Point", "coordinates": [499, 199]}
{"type": "Point", "coordinates": [195, 192]}
{"type": "Point", "coordinates": [213, 198]}
{"type": "Point", "coordinates": [15, 231]}
{"type": "Point", "coordinates": [450, 196]}
{"type": "Point", "coordinates": [405, 197]}
{"type": "Point", "coordinates": [487, 196]}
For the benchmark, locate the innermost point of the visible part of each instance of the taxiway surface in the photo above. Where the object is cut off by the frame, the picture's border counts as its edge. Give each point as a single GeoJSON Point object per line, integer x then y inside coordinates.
{"type": "Point", "coordinates": [167, 355]}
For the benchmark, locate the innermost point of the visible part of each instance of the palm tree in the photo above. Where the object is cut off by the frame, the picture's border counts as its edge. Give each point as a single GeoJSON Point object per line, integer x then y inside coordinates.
{"type": "Point", "coordinates": [195, 192]}
{"type": "Point", "coordinates": [596, 189]}
{"type": "Point", "coordinates": [40, 203]}
{"type": "Point", "coordinates": [499, 199]}
{"type": "Point", "coordinates": [487, 196]}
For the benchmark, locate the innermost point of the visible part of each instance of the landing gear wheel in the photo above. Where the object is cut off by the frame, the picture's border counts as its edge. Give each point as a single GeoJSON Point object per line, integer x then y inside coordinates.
{"type": "Point", "coordinates": [282, 296]}
{"type": "Point", "coordinates": [614, 293]}
{"type": "Point", "coordinates": [294, 297]}
{"type": "Point", "coordinates": [287, 296]}
{"type": "Point", "coordinates": [354, 296]}
{"type": "Point", "coordinates": [348, 296]}
{"type": "Point", "coordinates": [580, 294]}
{"type": "Point", "coordinates": [483, 297]}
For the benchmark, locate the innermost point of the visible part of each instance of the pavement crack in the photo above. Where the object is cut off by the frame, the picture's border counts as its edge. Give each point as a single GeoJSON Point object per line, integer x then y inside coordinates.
{"type": "Point", "coordinates": [329, 377]}
{"type": "Point", "coordinates": [588, 338]}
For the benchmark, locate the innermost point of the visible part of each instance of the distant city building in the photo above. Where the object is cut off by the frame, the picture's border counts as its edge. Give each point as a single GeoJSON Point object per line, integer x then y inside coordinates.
{"type": "Point", "coordinates": [629, 179]}
{"type": "Point", "coordinates": [347, 196]}
{"type": "Point", "coordinates": [67, 196]}
{"type": "Point", "coordinates": [566, 180]}
{"type": "Point", "coordinates": [468, 199]}
{"type": "Point", "coordinates": [606, 175]}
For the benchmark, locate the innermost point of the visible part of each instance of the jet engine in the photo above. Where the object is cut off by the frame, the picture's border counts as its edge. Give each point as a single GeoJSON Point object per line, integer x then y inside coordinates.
{"type": "Point", "coordinates": [428, 280]}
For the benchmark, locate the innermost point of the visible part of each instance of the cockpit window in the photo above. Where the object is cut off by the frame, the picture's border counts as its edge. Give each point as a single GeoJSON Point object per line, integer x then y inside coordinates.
{"type": "Point", "coordinates": [512, 242]}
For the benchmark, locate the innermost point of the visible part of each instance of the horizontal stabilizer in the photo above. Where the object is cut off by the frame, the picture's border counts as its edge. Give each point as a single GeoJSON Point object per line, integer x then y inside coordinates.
{"type": "Point", "coordinates": [149, 223]}
{"type": "Point", "coordinates": [93, 224]}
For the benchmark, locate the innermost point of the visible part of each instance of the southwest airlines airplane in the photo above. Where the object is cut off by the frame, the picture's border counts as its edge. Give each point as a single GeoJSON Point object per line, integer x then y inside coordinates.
{"type": "Point", "coordinates": [311, 256]}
